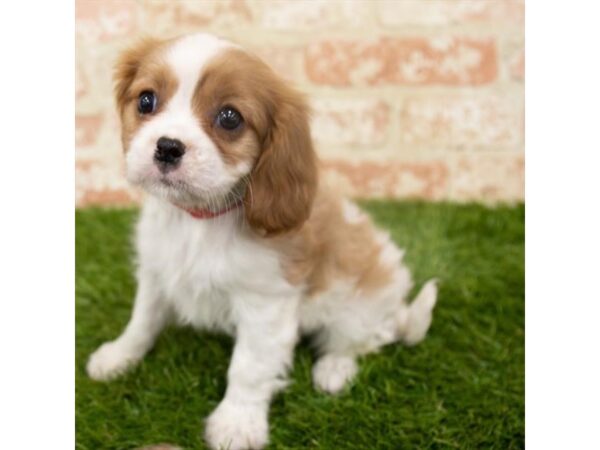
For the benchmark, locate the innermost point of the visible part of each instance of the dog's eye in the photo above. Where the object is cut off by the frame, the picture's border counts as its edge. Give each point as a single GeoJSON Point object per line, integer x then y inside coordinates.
{"type": "Point", "coordinates": [147, 102]}
{"type": "Point", "coordinates": [229, 118]}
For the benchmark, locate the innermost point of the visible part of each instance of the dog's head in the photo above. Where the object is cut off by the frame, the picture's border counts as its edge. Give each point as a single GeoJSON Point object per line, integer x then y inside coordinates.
{"type": "Point", "coordinates": [205, 124]}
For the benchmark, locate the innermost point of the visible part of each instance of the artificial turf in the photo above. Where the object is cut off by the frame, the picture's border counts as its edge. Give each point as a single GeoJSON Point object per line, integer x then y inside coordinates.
{"type": "Point", "coordinates": [462, 387]}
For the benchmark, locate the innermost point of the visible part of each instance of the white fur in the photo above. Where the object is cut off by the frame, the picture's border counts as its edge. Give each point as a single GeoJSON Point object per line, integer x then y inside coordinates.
{"type": "Point", "coordinates": [352, 213]}
{"type": "Point", "coordinates": [216, 274]}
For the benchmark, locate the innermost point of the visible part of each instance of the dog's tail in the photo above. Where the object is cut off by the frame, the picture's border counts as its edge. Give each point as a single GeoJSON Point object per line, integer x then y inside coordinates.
{"type": "Point", "coordinates": [416, 319]}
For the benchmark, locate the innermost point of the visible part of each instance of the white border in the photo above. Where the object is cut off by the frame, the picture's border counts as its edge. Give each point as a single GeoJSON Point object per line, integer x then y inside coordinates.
{"type": "Point", "coordinates": [37, 225]}
{"type": "Point", "coordinates": [563, 225]}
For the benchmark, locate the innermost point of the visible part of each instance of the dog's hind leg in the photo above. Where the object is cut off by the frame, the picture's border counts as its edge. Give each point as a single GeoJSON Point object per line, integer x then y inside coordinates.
{"type": "Point", "coordinates": [363, 326]}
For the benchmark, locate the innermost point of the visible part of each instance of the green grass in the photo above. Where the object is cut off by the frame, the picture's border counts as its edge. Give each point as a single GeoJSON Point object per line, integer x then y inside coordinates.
{"type": "Point", "coordinates": [462, 387]}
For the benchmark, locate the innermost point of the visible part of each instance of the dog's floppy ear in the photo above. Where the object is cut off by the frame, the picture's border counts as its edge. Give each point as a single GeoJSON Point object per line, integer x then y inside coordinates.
{"type": "Point", "coordinates": [283, 182]}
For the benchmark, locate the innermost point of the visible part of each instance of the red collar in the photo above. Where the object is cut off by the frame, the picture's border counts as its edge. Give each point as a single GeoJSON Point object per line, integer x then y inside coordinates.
{"type": "Point", "coordinates": [201, 213]}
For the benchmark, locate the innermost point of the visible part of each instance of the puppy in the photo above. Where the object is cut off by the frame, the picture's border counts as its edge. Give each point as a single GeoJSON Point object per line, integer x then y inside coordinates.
{"type": "Point", "coordinates": [238, 236]}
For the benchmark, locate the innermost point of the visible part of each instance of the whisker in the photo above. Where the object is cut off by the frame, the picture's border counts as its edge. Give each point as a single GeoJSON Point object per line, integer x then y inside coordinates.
{"type": "Point", "coordinates": [248, 186]}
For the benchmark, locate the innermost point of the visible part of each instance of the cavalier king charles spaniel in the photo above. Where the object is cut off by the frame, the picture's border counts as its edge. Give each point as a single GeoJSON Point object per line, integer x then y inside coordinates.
{"type": "Point", "coordinates": [238, 235]}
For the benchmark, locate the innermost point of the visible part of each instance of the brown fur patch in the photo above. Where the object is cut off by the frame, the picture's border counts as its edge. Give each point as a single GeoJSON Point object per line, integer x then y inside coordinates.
{"type": "Point", "coordinates": [329, 248]}
{"type": "Point", "coordinates": [284, 179]}
{"type": "Point", "coordinates": [223, 84]}
{"type": "Point", "coordinates": [141, 68]}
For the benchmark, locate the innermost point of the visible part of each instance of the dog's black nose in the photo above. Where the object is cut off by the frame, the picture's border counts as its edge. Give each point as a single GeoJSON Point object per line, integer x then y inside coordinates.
{"type": "Point", "coordinates": [168, 151]}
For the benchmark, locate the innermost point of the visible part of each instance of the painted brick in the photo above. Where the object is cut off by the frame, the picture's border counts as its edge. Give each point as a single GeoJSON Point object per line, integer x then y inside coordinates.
{"type": "Point", "coordinates": [412, 61]}
{"type": "Point", "coordinates": [87, 128]}
{"type": "Point", "coordinates": [81, 85]}
{"type": "Point", "coordinates": [85, 165]}
{"type": "Point", "coordinates": [487, 176]}
{"type": "Point", "coordinates": [459, 122]}
{"type": "Point", "coordinates": [400, 13]}
{"type": "Point", "coordinates": [104, 20]}
{"type": "Point", "coordinates": [100, 180]}
{"type": "Point", "coordinates": [491, 177]}
{"type": "Point", "coordinates": [94, 70]}
{"type": "Point", "coordinates": [121, 197]}
{"type": "Point", "coordinates": [350, 122]}
{"type": "Point", "coordinates": [312, 14]}
{"type": "Point", "coordinates": [388, 179]}
{"type": "Point", "coordinates": [286, 61]}
{"type": "Point", "coordinates": [193, 15]}
{"type": "Point", "coordinates": [516, 65]}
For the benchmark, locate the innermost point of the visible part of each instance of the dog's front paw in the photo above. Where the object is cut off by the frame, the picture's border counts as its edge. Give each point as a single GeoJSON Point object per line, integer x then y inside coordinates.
{"type": "Point", "coordinates": [237, 427]}
{"type": "Point", "coordinates": [109, 361]}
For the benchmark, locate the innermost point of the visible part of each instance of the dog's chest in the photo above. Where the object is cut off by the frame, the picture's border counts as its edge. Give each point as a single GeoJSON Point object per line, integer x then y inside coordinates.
{"type": "Point", "coordinates": [203, 267]}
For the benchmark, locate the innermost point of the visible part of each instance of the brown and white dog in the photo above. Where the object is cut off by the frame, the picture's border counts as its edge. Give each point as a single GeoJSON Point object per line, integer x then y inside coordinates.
{"type": "Point", "coordinates": [238, 236]}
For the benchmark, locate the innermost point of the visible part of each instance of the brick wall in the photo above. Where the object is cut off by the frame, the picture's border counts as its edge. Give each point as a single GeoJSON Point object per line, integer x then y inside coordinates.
{"type": "Point", "coordinates": [411, 98]}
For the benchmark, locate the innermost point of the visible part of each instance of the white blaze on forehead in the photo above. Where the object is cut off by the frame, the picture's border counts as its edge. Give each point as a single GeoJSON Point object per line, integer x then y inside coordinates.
{"type": "Point", "coordinates": [187, 57]}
